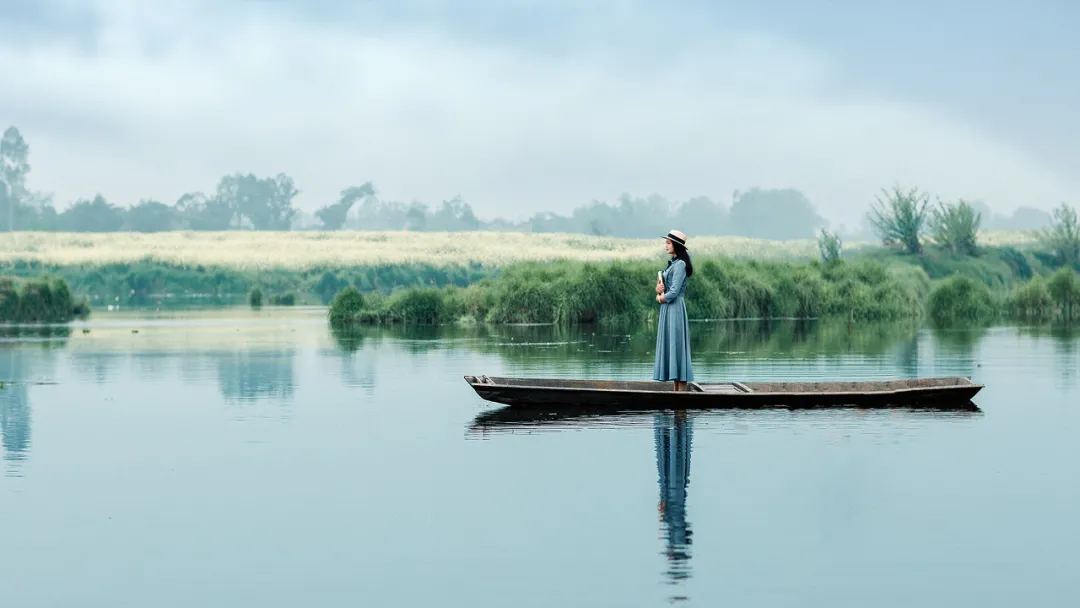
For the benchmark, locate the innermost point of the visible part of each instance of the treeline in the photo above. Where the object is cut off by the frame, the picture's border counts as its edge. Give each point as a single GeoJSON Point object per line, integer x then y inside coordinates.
{"type": "Point", "coordinates": [249, 202]}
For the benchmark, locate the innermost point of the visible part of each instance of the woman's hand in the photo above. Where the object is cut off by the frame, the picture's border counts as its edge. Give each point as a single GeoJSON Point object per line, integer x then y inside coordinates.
{"type": "Point", "coordinates": [660, 298]}
{"type": "Point", "coordinates": [659, 288]}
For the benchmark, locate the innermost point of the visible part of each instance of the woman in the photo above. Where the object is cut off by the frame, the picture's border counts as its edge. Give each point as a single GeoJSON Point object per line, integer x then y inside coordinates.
{"type": "Point", "coordinates": [673, 330]}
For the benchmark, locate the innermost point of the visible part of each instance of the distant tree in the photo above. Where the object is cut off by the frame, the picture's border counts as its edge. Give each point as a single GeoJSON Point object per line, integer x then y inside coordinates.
{"type": "Point", "coordinates": [97, 215]}
{"type": "Point", "coordinates": [900, 219]}
{"type": "Point", "coordinates": [151, 216]}
{"type": "Point", "coordinates": [830, 246]}
{"type": "Point", "coordinates": [265, 203]}
{"type": "Point", "coordinates": [955, 226]}
{"type": "Point", "coordinates": [702, 215]}
{"type": "Point", "coordinates": [454, 215]}
{"type": "Point", "coordinates": [784, 214]}
{"type": "Point", "coordinates": [1026, 218]}
{"type": "Point", "coordinates": [1062, 237]}
{"type": "Point", "coordinates": [14, 167]}
{"type": "Point", "coordinates": [416, 217]}
{"type": "Point", "coordinates": [334, 216]}
{"type": "Point", "coordinates": [197, 212]}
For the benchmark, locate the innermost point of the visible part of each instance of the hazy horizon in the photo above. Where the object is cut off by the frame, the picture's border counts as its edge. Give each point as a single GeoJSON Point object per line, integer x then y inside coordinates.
{"type": "Point", "coordinates": [525, 106]}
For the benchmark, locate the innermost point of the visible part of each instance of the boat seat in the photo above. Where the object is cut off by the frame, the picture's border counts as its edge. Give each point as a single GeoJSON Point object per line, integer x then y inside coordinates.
{"type": "Point", "coordinates": [721, 387]}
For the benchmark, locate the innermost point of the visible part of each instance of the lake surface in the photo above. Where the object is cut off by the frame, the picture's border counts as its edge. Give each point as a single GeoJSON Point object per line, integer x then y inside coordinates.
{"type": "Point", "coordinates": [237, 458]}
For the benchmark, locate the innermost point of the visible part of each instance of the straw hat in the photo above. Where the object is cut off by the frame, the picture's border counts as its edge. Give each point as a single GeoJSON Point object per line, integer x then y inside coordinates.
{"type": "Point", "coordinates": [677, 236]}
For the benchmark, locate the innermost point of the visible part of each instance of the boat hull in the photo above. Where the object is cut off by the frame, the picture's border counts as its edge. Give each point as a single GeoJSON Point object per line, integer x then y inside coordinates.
{"type": "Point", "coordinates": [937, 393]}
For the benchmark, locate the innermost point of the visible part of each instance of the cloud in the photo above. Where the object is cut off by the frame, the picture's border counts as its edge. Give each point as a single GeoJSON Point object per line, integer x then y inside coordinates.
{"type": "Point", "coordinates": [167, 100]}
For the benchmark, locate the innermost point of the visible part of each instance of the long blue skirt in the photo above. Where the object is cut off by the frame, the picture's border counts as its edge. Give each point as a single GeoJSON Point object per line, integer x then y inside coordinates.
{"type": "Point", "coordinates": [673, 344]}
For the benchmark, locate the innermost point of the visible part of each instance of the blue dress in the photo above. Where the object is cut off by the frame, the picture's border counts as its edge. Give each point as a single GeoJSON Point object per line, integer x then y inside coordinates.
{"type": "Point", "coordinates": [673, 329]}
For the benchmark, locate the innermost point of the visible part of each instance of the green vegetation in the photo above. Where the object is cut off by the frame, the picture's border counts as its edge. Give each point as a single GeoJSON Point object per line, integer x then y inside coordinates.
{"type": "Point", "coordinates": [283, 299]}
{"type": "Point", "coordinates": [900, 219]}
{"type": "Point", "coordinates": [961, 299]}
{"type": "Point", "coordinates": [955, 227]}
{"type": "Point", "coordinates": [45, 300]}
{"type": "Point", "coordinates": [255, 298]}
{"type": "Point", "coordinates": [148, 280]}
{"type": "Point", "coordinates": [830, 246]}
{"type": "Point", "coordinates": [1064, 288]}
{"type": "Point", "coordinates": [1030, 301]}
{"type": "Point", "coordinates": [1062, 238]}
{"type": "Point", "coordinates": [570, 293]}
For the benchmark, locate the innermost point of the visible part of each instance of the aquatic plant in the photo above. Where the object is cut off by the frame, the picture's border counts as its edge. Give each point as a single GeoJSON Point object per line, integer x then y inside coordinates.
{"type": "Point", "coordinates": [283, 299]}
{"type": "Point", "coordinates": [961, 299]}
{"type": "Point", "coordinates": [1030, 300]}
{"type": "Point", "coordinates": [571, 293]}
{"type": "Point", "coordinates": [1064, 289]}
{"type": "Point", "coordinates": [42, 300]}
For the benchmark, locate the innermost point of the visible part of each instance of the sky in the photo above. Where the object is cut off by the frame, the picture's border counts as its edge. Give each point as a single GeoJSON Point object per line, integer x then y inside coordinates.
{"type": "Point", "coordinates": [520, 106]}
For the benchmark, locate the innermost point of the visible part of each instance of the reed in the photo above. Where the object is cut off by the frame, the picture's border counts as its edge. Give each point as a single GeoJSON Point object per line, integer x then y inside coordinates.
{"type": "Point", "coordinates": [44, 300]}
{"type": "Point", "coordinates": [573, 293]}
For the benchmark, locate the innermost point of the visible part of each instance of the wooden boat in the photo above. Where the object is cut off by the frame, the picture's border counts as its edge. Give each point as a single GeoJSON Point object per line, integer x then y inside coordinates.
{"type": "Point", "coordinates": [937, 393]}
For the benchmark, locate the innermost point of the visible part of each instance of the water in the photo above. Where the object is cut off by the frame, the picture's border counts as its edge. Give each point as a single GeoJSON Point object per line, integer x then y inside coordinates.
{"type": "Point", "coordinates": [231, 458]}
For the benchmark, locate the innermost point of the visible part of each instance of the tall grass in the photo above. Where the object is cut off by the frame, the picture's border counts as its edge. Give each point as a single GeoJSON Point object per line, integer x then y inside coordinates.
{"type": "Point", "coordinates": [620, 292]}
{"type": "Point", "coordinates": [961, 300]}
{"type": "Point", "coordinates": [45, 300]}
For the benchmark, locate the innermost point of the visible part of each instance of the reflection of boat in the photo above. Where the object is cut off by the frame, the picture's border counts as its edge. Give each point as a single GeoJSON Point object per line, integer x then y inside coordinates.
{"type": "Point", "coordinates": [540, 417]}
{"type": "Point", "coordinates": [938, 393]}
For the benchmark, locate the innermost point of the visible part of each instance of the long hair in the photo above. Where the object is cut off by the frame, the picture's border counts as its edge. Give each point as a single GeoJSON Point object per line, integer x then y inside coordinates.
{"type": "Point", "coordinates": [682, 254]}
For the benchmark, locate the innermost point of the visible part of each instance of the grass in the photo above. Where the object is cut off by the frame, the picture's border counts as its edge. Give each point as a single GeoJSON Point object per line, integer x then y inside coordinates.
{"type": "Point", "coordinates": [302, 251]}
{"type": "Point", "coordinates": [619, 292]}
{"type": "Point", "coordinates": [45, 300]}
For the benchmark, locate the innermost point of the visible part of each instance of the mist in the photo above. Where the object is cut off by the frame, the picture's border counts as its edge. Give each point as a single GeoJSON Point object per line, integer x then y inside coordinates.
{"type": "Point", "coordinates": [518, 108]}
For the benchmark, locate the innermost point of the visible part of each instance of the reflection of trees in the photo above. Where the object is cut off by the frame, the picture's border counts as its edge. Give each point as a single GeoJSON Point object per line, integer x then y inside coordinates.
{"type": "Point", "coordinates": [15, 421]}
{"type": "Point", "coordinates": [673, 436]}
{"type": "Point", "coordinates": [249, 375]}
{"type": "Point", "coordinates": [585, 349]}
{"type": "Point", "coordinates": [1065, 337]}
{"type": "Point", "coordinates": [21, 363]}
{"type": "Point", "coordinates": [96, 366]}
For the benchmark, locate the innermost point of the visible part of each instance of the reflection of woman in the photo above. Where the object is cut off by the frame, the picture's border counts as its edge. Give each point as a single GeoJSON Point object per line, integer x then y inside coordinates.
{"type": "Point", "coordinates": [673, 329]}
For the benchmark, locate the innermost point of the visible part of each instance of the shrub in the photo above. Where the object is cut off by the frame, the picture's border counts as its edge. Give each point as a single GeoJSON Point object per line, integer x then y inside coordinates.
{"type": "Point", "coordinates": [829, 246]}
{"type": "Point", "coordinates": [255, 298]}
{"type": "Point", "coordinates": [955, 226]}
{"type": "Point", "coordinates": [959, 299]}
{"type": "Point", "coordinates": [1064, 289]}
{"type": "Point", "coordinates": [1030, 301]}
{"type": "Point", "coordinates": [1062, 238]}
{"type": "Point", "coordinates": [285, 299]}
{"type": "Point", "coordinates": [900, 219]}
{"type": "Point", "coordinates": [346, 307]}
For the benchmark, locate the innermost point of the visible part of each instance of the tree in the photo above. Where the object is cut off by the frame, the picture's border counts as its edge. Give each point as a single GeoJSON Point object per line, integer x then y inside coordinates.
{"type": "Point", "coordinates": [334, 216]}
{"type": "Point", "coordinates": [98, 215]}
{"type": "Point", "coordinates": [151, 216]}
{"type": "Point", "coordinates": [266, 203]}
{"type": "Point", "coordinates": [197, 212]}
{"type": "Point", "coordinates": [702, 214]}
{"type": "Point", "coordinates": [783, 214]}
{"type": "Point", "coordinates": [14, 167]}
{"type": "Point", "coordinates": [1062, 238]}
{"type": "Point", "coordinates": [830, 246]}
{"type": "Point", "coordinates": [454, 215]}
{"type": "Point", "coordinates": [416, 217]}
{"type": "Point", "coordinates": [955, 226]}
{"type": "Point", "coordinates": [900, 219]}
